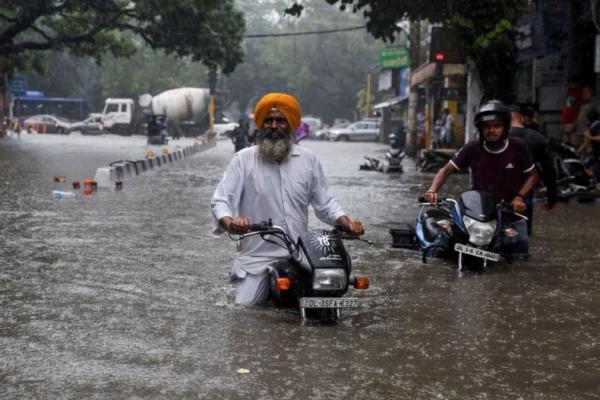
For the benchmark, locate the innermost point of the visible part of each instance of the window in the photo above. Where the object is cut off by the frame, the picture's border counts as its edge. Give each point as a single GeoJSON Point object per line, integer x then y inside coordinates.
{"type": "Point", "coordinates": [112, 108]}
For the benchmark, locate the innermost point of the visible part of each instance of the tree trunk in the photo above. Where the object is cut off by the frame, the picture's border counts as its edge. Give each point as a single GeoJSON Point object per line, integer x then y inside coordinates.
{"type": "Point", "coordinates": [415, 62]}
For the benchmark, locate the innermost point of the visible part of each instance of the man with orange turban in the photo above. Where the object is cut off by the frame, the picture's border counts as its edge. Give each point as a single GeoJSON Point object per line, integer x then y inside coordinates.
{"type": "Point", "coordinates": [275, 179]}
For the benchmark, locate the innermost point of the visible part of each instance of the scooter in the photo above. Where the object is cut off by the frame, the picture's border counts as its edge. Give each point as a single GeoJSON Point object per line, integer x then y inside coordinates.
{"type": "Point", "coordinates": [392, 162]}
{"type": "Point", "coordinates": [472, 231]}
{"type": "Point", "coordinates": [317, 273]}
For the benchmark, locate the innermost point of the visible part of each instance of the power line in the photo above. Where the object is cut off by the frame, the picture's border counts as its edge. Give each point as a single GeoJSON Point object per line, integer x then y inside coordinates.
{"type": "Point", "coordinates": [305, 33]}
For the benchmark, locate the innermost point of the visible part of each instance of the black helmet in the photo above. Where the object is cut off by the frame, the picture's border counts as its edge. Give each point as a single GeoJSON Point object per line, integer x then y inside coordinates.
{"type": "Point", "coordinates": [493, 110]}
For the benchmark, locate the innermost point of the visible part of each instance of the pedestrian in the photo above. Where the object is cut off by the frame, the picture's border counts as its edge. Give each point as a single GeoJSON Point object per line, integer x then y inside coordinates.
{"type": "Point", "coordinates": [275, 179]}
{"type": "Point", "coordinates": [538, 146]}
{"type": "Point", "coordinates": [239, 136]}
{"type": "Point", "coordinates": [570, 110]}
{"type": "Point", "coordinates": [420, 131]}
{"type": "Point", "coordinates": [447, 136]}
{"type": "Point", "coordinates": [529, 119]}
{"type": "Point", "coordinates": [500, 165]}
{"type": "Point", "coordinates": [302, 131]}
{"type": "Point", "coordinates": [588, 103]}
{"type": "Point", "coordinates": [591, 140]}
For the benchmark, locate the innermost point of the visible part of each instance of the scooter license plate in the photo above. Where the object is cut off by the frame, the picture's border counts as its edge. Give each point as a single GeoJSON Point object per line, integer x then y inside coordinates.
{"type": "Point", "coordinates": [473, 251]}
{"type": "Point", "coordinates": [330, 302]}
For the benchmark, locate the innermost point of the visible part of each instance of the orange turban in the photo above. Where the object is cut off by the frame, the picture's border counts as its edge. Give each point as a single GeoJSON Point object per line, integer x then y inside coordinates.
{"type": "Point", "coordinates": [284, 103]}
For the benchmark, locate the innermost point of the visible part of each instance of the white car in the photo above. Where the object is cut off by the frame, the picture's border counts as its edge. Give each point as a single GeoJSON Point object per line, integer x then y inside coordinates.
{"type": "Point", "coordinates": [90, 125]}
{"type": "Point", "coordinates": [357, 131]}
{"type": "Point", "coordinates": [46, 124]}
{"type": "Point", "coordinates": [323, 134]}
{"type": "Point", "coordinates": [223, 131]}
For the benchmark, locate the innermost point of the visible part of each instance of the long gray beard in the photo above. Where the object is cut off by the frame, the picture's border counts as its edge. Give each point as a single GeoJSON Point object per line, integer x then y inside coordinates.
{"type": "Point", "coordinates": [275, 150]}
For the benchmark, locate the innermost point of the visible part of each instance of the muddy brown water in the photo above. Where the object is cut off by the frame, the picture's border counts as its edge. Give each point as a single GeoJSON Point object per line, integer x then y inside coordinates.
{"type": "Point", "coordinates": [126, 295]}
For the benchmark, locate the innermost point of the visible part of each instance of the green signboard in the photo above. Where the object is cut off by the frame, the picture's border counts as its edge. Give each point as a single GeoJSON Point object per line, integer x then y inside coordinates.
{"type": "Point", "coordinates": [394, 57]}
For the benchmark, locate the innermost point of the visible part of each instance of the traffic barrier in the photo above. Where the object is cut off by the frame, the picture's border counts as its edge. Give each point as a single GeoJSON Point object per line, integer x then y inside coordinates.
{"type": "Point", "coordinates": [118, 171]}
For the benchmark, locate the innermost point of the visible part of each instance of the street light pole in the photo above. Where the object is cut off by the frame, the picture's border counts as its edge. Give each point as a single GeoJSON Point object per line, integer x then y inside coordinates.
{"type": "Point", "coordinates": [212, 83]}
{"type": "Point", "coordinates": [368, 96]}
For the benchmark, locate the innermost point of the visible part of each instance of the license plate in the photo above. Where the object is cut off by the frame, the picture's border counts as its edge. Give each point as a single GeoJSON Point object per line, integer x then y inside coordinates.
{"type": "Point", "coordinates": [473, 251]}
{"type": "Point", "coordinates": [329, 302]}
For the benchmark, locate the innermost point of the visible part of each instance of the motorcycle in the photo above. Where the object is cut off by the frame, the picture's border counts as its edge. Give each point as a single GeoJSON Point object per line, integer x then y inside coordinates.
{"type": "Point", "coordinates": [157, 129]}
{"type": "Point", "coordinates": [432, 160]}
{"type": "Point", "coordinates": [572, 180]}
{"type": "Point", "coordinates": [370, 164]}
{"type": "Point", "coordinates": [317, 273]}
{"type": "Point", "coordinates": [392, 161]}
{"type": "Point", "coordinates": [472, 231]}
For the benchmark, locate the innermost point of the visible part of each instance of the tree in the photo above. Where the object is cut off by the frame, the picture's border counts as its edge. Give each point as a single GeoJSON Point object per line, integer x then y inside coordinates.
{"type": "Point", "coordinates": [208, 31]}
{"type": "Point", "coordinates": [325, 71]}
{"type": "Point", "coordinates": [486, 29]}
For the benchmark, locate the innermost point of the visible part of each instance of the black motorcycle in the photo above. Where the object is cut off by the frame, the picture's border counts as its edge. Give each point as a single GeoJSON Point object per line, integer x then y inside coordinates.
{"type": "Point", "coordinates": [572, 180]}
{"type": "Point", "coordinates": [432, 160]}
{"type": "Point", "coordinates": [317, 273]}
{"type": "Point", "coordinates": [392, 161]}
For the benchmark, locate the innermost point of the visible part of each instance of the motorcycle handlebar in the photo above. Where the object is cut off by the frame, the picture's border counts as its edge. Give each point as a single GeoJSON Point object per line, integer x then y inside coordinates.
{"type": "Point", "coordinates": [422, 199]}
{"type": "Point", "coordinates": [258, 227]}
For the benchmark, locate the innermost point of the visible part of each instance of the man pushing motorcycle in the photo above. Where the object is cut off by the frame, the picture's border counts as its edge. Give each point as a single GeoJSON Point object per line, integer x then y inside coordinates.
{"type": "Point", "coordinates": [500, 165]}
{"type": "Point", "coordinates": [275, 179]}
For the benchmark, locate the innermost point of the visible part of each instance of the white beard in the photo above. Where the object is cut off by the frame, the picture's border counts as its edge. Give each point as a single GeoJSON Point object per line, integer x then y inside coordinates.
{"type": "Point", "coordinates": [275, 150]}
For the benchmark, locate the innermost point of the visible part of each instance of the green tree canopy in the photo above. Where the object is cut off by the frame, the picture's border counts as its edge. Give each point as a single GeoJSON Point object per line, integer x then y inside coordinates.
{"type": "Point", "coordinates": [325, 71]}
{"type": "Point", "coordinates": [486, 29]}
{"type": "Point", "coordinates": [206, 30]}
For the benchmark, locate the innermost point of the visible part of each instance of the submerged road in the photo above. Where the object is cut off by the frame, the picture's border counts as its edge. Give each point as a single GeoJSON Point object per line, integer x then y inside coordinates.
{"type": "Point", "coordinates": [124, 294]}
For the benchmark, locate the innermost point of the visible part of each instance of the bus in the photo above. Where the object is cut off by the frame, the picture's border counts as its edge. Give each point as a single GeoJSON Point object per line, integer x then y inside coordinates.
{"type": "Point", "coordinates": [35, 103]}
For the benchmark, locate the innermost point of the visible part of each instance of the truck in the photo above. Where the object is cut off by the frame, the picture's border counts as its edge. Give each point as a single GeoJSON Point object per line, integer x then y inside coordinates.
{"type": "Point", "coordinates": [186, 111]}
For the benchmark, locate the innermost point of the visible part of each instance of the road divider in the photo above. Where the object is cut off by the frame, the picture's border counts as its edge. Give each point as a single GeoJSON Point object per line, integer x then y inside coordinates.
{"type": "Point", "coordinates": [118, 171]}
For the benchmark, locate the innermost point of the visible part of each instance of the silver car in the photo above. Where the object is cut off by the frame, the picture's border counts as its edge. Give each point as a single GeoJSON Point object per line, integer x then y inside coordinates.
{"type": "Point", "coordinates": [358, 131]}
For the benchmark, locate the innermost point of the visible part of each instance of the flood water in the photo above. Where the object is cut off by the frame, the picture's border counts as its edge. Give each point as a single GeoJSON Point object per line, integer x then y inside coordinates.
{"type": "Point", "coordinates": [125, 295]}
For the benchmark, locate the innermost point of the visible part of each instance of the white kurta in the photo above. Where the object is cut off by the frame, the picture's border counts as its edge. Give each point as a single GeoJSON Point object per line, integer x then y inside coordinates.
{"type": "Point", "coordinates": [261, 190]}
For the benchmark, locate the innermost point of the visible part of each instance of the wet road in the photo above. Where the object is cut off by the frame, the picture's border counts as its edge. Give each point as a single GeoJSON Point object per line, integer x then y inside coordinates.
{"type": "Point", "coordinates": [126, 295]}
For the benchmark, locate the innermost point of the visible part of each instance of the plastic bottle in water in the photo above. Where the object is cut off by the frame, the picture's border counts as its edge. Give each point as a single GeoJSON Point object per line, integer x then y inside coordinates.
{"type": "Point", "coordinates": [59, 194]}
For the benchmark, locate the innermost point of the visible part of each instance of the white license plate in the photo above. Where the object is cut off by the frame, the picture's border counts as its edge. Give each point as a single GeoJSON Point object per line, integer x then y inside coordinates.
{"type": "Point", "coordinates": [329, 302]}
{"type": "Point", "coordinates": [473, 251]}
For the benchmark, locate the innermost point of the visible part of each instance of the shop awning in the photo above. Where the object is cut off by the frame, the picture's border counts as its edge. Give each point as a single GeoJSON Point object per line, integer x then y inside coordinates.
{"type": "Point", "coordinates": [390, 102]}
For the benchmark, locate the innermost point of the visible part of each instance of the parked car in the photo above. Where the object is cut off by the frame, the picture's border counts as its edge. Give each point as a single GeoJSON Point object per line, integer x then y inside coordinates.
{"type": "Point", "coordinates": [323, 134]}
{"type": "Point", "coordinates": [358, 131]}
{"type": "Point", "coordinates": [89, 126]}
{"type": "Point", "coordinates": [46, 124]}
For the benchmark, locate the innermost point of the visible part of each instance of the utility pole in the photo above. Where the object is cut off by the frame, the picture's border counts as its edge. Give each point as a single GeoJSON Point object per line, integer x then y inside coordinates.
{"type": "Point", "coordinates": [413, 96]}
{"type": "Point", "coordinates": [212, 84]}
{"type": "Point", "coordinates": [368, 96]}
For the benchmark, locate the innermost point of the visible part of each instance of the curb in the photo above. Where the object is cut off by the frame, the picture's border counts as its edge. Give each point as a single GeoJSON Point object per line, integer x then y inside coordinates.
{"type": "Point", "coordinates": [121, 170]}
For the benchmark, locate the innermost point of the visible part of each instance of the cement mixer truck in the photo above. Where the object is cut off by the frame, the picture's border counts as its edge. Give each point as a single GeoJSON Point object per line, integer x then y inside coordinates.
{"type": "Point", "coordinates": [186, 111]}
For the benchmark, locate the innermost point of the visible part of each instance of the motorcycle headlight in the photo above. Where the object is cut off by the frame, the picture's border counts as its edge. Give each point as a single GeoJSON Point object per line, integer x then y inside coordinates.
{"type": "Point", "coordinates": [480, 233]}
{"type": "Point", "coordinates": [326, 279]}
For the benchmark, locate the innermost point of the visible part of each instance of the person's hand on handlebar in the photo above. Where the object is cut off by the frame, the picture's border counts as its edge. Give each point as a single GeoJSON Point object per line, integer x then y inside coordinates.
{"type": "Point", "coordinates": [430, 196]}
{"type": "Point", "coordinates": [235, 225]}
{"type": "Point", "coordinates": [518, 204]}
{"type": "Point", "coordinates": [353, 226]}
